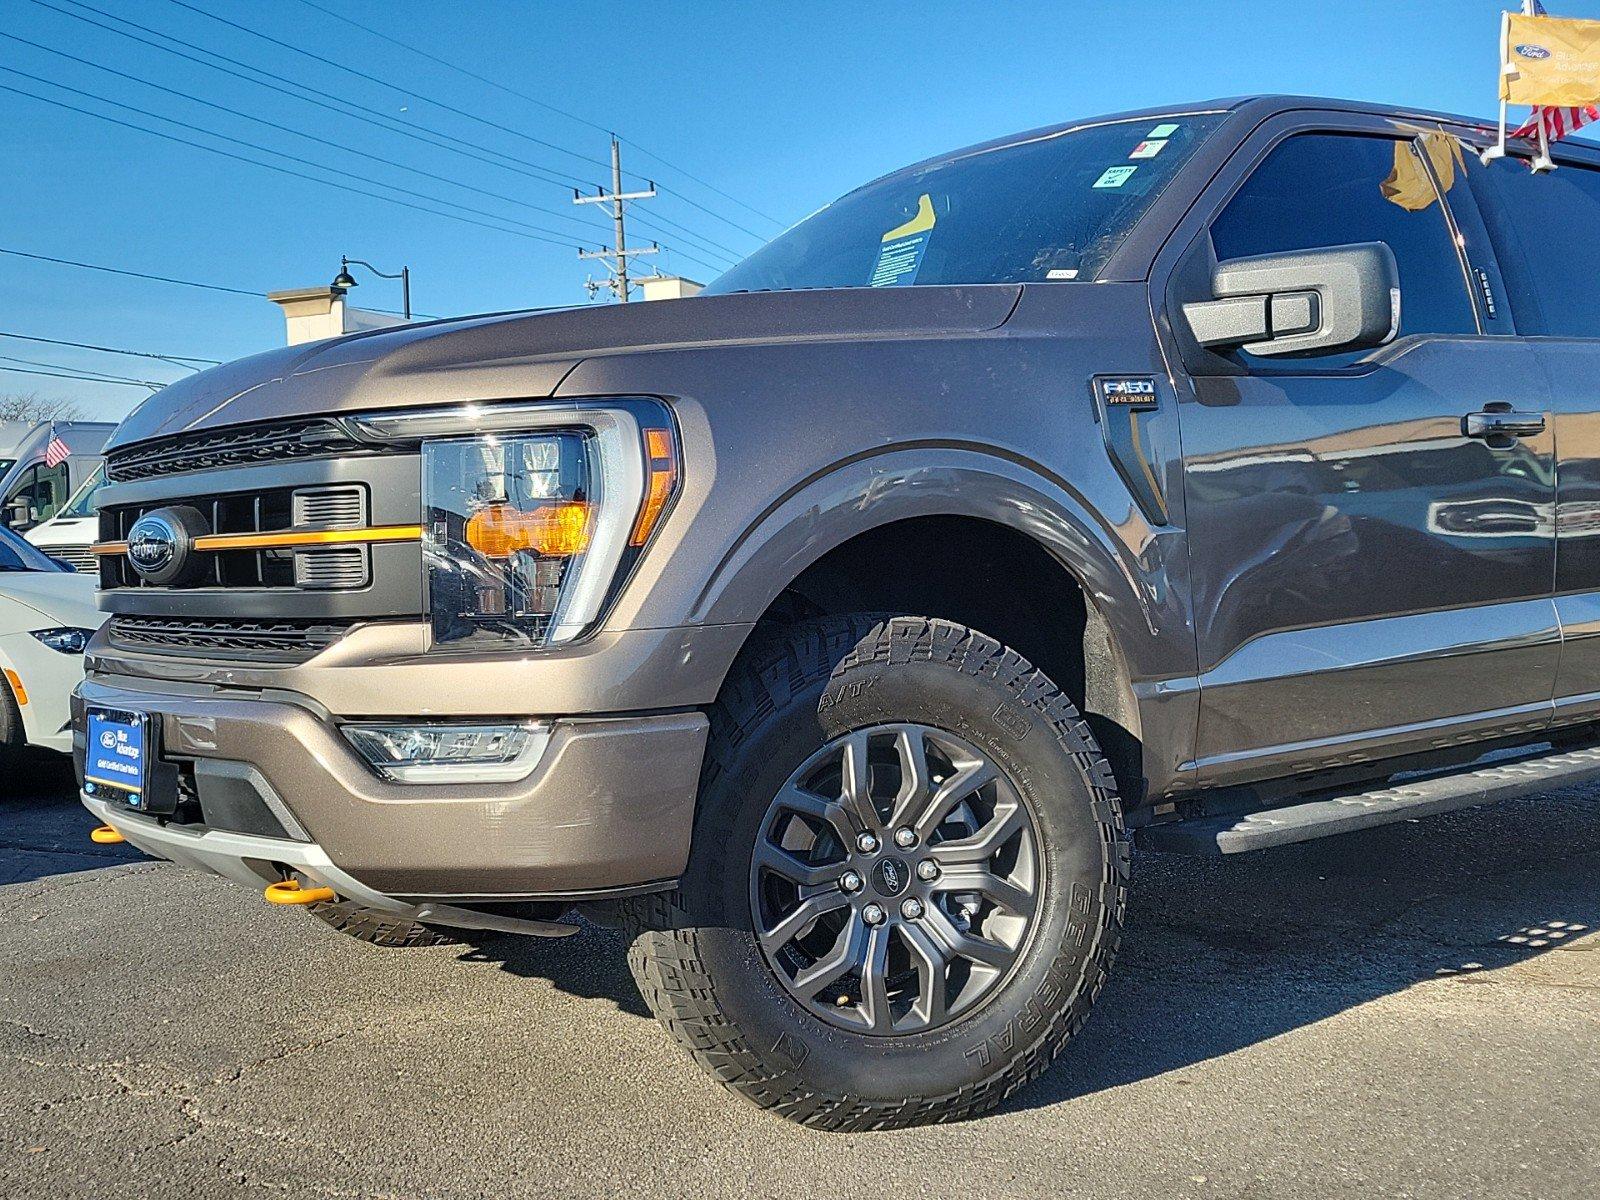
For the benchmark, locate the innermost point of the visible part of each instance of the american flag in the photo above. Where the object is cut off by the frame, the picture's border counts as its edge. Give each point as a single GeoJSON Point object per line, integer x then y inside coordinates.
{"type": "Point", "coordinates": [1557, 122]}
{"type": "Point", "coordinates": [56, 451]}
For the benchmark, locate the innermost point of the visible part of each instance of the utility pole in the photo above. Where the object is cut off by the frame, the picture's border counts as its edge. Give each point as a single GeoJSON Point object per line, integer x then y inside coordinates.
{"type": "Point", "coordinates": [617, 199]}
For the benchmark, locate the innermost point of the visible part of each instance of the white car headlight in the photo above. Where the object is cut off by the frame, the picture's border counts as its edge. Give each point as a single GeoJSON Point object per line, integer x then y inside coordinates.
{"type": "Point", "coordinates": [66, 639]}
{"type": "Point", "coordinates": [533, 513]}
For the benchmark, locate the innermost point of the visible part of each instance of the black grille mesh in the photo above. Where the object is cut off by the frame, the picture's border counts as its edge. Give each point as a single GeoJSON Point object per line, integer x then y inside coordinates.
{"type": "Point", "coordinates": [239, 446]}
{"type": "Point", "coordinates": [284, 641]}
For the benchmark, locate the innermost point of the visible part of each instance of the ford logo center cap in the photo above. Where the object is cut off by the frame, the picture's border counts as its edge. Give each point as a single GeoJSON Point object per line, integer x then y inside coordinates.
{"type": "Point", "coordinates": [161, 544]}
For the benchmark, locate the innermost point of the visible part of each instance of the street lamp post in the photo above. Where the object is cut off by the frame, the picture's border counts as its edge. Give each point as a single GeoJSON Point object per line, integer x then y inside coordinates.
{"type": "Point", "coordinates": [346, 281]}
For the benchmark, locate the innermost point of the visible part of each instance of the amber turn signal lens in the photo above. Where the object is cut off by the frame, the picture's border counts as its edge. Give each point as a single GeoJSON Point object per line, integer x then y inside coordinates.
{"type": "Point", "coordinates": [663, 477]}
{"type": "Point", "coordinates": [552, 530]}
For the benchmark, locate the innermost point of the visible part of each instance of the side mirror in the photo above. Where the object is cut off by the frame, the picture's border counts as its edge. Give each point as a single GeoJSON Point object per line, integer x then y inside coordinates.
{"type": "Point", "coordinates": [1301, 302]}
{"type": "Point", "coordinates": [19, 515]}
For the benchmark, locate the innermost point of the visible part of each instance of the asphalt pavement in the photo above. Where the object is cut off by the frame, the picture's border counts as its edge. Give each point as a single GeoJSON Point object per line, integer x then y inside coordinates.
{"type": "Point", "coordinates": [1408, 1012]}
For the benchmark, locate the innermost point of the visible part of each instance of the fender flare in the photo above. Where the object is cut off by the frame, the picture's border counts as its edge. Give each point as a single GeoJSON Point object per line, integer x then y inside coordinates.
{"type": "Point", "coordinates": [897, 483]}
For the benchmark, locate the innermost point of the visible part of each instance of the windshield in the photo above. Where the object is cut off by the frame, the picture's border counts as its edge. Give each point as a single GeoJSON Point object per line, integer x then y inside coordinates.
{"type": "Point", "coordinates": [18, 555]}
{"type": "Point", "coordinates": [82, 502]}
{"type": "Point", "coordinates": [1050, 209]}
{"type": "Point", "coordinates": [6, 464]}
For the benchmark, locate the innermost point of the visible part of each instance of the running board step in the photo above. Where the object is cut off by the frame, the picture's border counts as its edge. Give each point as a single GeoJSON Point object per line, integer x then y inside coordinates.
{"type": "Point", "coordinates": [1235, 833]}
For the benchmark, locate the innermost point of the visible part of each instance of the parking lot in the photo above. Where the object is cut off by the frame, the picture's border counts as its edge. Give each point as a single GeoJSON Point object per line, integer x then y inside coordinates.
{"type": "Point", "coordinates": [1413, 1011]}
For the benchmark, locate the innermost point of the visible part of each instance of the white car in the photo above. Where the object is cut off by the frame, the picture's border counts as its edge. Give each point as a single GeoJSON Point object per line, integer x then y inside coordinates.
{"type": "Point", "coordinates": [47, 613]}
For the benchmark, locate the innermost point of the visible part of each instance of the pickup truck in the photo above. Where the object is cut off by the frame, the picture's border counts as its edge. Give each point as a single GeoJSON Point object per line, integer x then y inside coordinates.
{"type": "Point", "coordinates": [1217, 477]}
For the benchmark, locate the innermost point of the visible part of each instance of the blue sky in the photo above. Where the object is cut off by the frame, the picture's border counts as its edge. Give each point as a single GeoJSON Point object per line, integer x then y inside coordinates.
{"type": "Point", "coordinates": [781, 106]}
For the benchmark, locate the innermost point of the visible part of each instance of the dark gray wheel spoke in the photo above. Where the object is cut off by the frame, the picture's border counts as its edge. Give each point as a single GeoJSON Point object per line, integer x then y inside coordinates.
{"type": "Point", "coordinates": [917, 912]}
{"type": "Point", "coordinates": [968, 778]}
{"type": "Point", "coordinates": [916, 784]}
{"type": "Point", "coordinates": [844, 957]}
{"type": "Point", "coordinates": [980, 847]}
{"type": "Point", "coordinates": [796, 923]}
{"type": "Point", "coordinates": [820, 808]}
{"type": "Point", "coordinates": [966, 945]}
{"type": "Point", "coordinates": [857, 798]}
{"type": "Point", "coordinates": [1012, 897]}
{"type": "Point", "coordinates": [793, 868]}
{"type": "Point", "coordinates": [933, 966]}
{"type": "Point", "coordinates": [875, 982]}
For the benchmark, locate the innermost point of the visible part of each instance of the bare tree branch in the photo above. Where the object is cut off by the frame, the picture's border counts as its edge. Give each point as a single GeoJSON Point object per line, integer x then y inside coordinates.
{"type": "Point", "coordinates": [33, 408]}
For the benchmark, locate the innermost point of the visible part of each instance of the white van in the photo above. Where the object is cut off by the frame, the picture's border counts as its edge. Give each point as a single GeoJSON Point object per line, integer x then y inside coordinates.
{"type": "Point", "coordinates": [69, 534]}
{"type": "Point", "coordinates": [33, 488]}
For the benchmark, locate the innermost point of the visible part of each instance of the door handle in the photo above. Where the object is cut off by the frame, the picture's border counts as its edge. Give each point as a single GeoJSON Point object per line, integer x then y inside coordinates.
{"type": "Point", "coordinates": [1502, 423]}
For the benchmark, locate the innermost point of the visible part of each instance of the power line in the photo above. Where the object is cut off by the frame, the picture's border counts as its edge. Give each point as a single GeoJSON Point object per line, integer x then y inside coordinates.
{"type": "Point", "coordinates": [82, 373]}
{"type": "Point", "coordinates": [277, 84]}
{"type": "Point", "coordinates": [340, 146]}
{"type": "Point", "coordinates": [83, 378]}
{"type": "Point", "coordinates": [177, 360]}
{"type": "Point", "coordinates": [544, 104]}
{"type": "Point", "coordinates": [347, 69]}
{"type": "Point", "coordinates": [345, 108]}
{"type": "Point", "coordinates": [68, 262]}
{"type": "Point", "coordinates": [554, 241]}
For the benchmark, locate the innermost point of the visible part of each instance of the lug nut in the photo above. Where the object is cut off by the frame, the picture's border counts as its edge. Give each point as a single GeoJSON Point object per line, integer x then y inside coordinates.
{"type": "Point", "coordinates": [873, 914]}
{"type": "Point", "coordinates": [905, 837]}
{"type": "Point", "coordinates": [866, 843]}
{"type": "Point", "coordinates": [850, 881]}
{"type": "Point", "coordinates": [927, 869]}
{"type": "Point", "coordinates": [911, 908]}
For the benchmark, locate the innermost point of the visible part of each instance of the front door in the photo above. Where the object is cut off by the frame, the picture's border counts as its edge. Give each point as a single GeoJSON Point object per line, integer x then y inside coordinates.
{"type": "Point", "coordinates": [1368, 580]}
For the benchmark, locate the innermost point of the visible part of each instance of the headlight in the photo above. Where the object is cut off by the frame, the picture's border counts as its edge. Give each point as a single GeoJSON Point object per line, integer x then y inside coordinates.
{"type": "Point", "coordinates": [533, 513]}
{"type": "Point", "coordinates": [66, 639]}
{"type": "Point", "coordinates": [451, 753]}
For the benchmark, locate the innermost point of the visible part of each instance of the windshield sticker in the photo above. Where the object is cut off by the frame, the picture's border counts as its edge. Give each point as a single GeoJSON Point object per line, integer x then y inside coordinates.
{"type": "Point", "coordinates": [1162, 131]}
{"type": "Point", "coordinates": [1061, 273]}
{"type": "Point", "coordinates": [1148, 149]}
{"type": "Point", "coordinates": [900, 256]}
{"type": "Point", "coordinates": [1114, 177]}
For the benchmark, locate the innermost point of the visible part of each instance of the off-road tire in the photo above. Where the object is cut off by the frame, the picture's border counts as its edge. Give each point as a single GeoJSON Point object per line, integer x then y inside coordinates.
{"type": "Point", "coordinates": [693, 951]}
{"type": "Point", "coordinates": [379, 929]}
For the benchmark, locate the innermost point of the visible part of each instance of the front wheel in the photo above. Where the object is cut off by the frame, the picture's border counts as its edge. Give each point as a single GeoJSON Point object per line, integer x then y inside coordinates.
{"type": "Point", "coordinates": [907, 881]}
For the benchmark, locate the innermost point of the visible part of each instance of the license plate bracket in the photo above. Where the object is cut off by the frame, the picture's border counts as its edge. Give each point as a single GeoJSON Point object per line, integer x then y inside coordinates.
{"type": "Point", "coordinates": [122, 761]}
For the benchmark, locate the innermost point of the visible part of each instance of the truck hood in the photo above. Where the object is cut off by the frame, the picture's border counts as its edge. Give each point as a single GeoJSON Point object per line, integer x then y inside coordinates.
{"type": "Point", "coordinates": [527, 354]}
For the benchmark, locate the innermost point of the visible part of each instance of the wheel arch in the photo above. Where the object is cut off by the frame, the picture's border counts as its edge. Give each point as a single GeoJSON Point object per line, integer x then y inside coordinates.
{"type": "Point", "coordinates": [984, 542]}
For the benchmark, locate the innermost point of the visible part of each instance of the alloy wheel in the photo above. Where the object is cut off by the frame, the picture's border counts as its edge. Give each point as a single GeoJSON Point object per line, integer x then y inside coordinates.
{"type": "Point", "coordinates": [895, 880]}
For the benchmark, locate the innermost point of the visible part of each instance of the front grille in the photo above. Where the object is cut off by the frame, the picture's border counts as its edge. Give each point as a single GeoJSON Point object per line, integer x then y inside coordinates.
{"type": "Point", "coordinates": [278, 641]}
{"type": "Point", "coordinates": [78, 556]}
{"type": "Point", "coordinates": [343, 506]}
{"type": "Point", "coordinates": [241, 445]}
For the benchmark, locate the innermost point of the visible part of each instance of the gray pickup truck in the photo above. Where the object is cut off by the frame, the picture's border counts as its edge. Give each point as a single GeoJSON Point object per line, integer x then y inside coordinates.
{"type": "Point", "coordinates": [1221, 476]}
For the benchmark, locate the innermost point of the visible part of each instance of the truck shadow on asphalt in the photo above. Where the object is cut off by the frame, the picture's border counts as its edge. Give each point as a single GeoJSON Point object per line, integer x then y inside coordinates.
{"type": "Point", "coordinates": [1220, 955]}
{"type": "Point", "coordinates": [44, 831]}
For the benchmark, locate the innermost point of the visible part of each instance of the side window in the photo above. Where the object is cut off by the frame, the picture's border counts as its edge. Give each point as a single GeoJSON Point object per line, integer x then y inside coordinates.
{"type": "Point", "coordinates": [45, 490]}
{"type": "Point", "coordinates": [1544, 228]}
{"type": "Point", "coordinates": [1321, 190]}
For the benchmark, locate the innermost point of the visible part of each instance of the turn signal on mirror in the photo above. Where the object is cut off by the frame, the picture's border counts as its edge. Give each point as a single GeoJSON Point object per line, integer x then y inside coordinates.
{"type": "Point", "coordinates": [551, 530]}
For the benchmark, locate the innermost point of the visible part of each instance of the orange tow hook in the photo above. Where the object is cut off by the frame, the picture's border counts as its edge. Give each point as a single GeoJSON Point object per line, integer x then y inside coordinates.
{"type": "Point", "coordinates": [105, 835]}
{"type": "Point", "coordinates": [289, 891]}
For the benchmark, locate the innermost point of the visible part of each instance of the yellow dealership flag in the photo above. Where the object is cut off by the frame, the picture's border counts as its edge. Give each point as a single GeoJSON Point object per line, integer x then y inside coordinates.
{"type": "Point", "coordinates": [1551, 61]}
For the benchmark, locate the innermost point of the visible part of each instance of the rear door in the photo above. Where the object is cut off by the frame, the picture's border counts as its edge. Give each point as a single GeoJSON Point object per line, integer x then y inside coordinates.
{"type": "Point", "coordinates": [1367, 580]}
{"type": "Point", "coordinates": [1545, 229]}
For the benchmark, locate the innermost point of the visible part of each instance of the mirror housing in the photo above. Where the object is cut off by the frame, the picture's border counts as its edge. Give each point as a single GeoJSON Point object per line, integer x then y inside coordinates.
{"type": "Point", "coordinates": [18, 515]}
{"type": "Point", "coordinates": [1301, 302]}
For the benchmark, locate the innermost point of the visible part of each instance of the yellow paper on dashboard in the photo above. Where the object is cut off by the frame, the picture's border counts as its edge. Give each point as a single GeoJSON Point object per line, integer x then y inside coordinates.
{"type": "Point", "coordinates": [1551, 61]}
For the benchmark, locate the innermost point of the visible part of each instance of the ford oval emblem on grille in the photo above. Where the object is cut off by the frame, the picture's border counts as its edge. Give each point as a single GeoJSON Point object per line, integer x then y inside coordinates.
{"type": "Point", "coordinates": [161, 544]}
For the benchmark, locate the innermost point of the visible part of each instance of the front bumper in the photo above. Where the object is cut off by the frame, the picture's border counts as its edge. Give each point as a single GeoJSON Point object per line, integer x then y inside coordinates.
{"type": "Point", "coordinates": [607, 810]}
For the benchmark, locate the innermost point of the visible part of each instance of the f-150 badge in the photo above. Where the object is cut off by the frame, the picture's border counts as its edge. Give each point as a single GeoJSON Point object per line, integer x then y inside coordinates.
{"type": "Point", "coordinates": [1127, 391]}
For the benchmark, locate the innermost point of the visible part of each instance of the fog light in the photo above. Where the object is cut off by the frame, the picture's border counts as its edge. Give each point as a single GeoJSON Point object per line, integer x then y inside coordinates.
{"type": "Point", "coordinates": [451, 753]}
